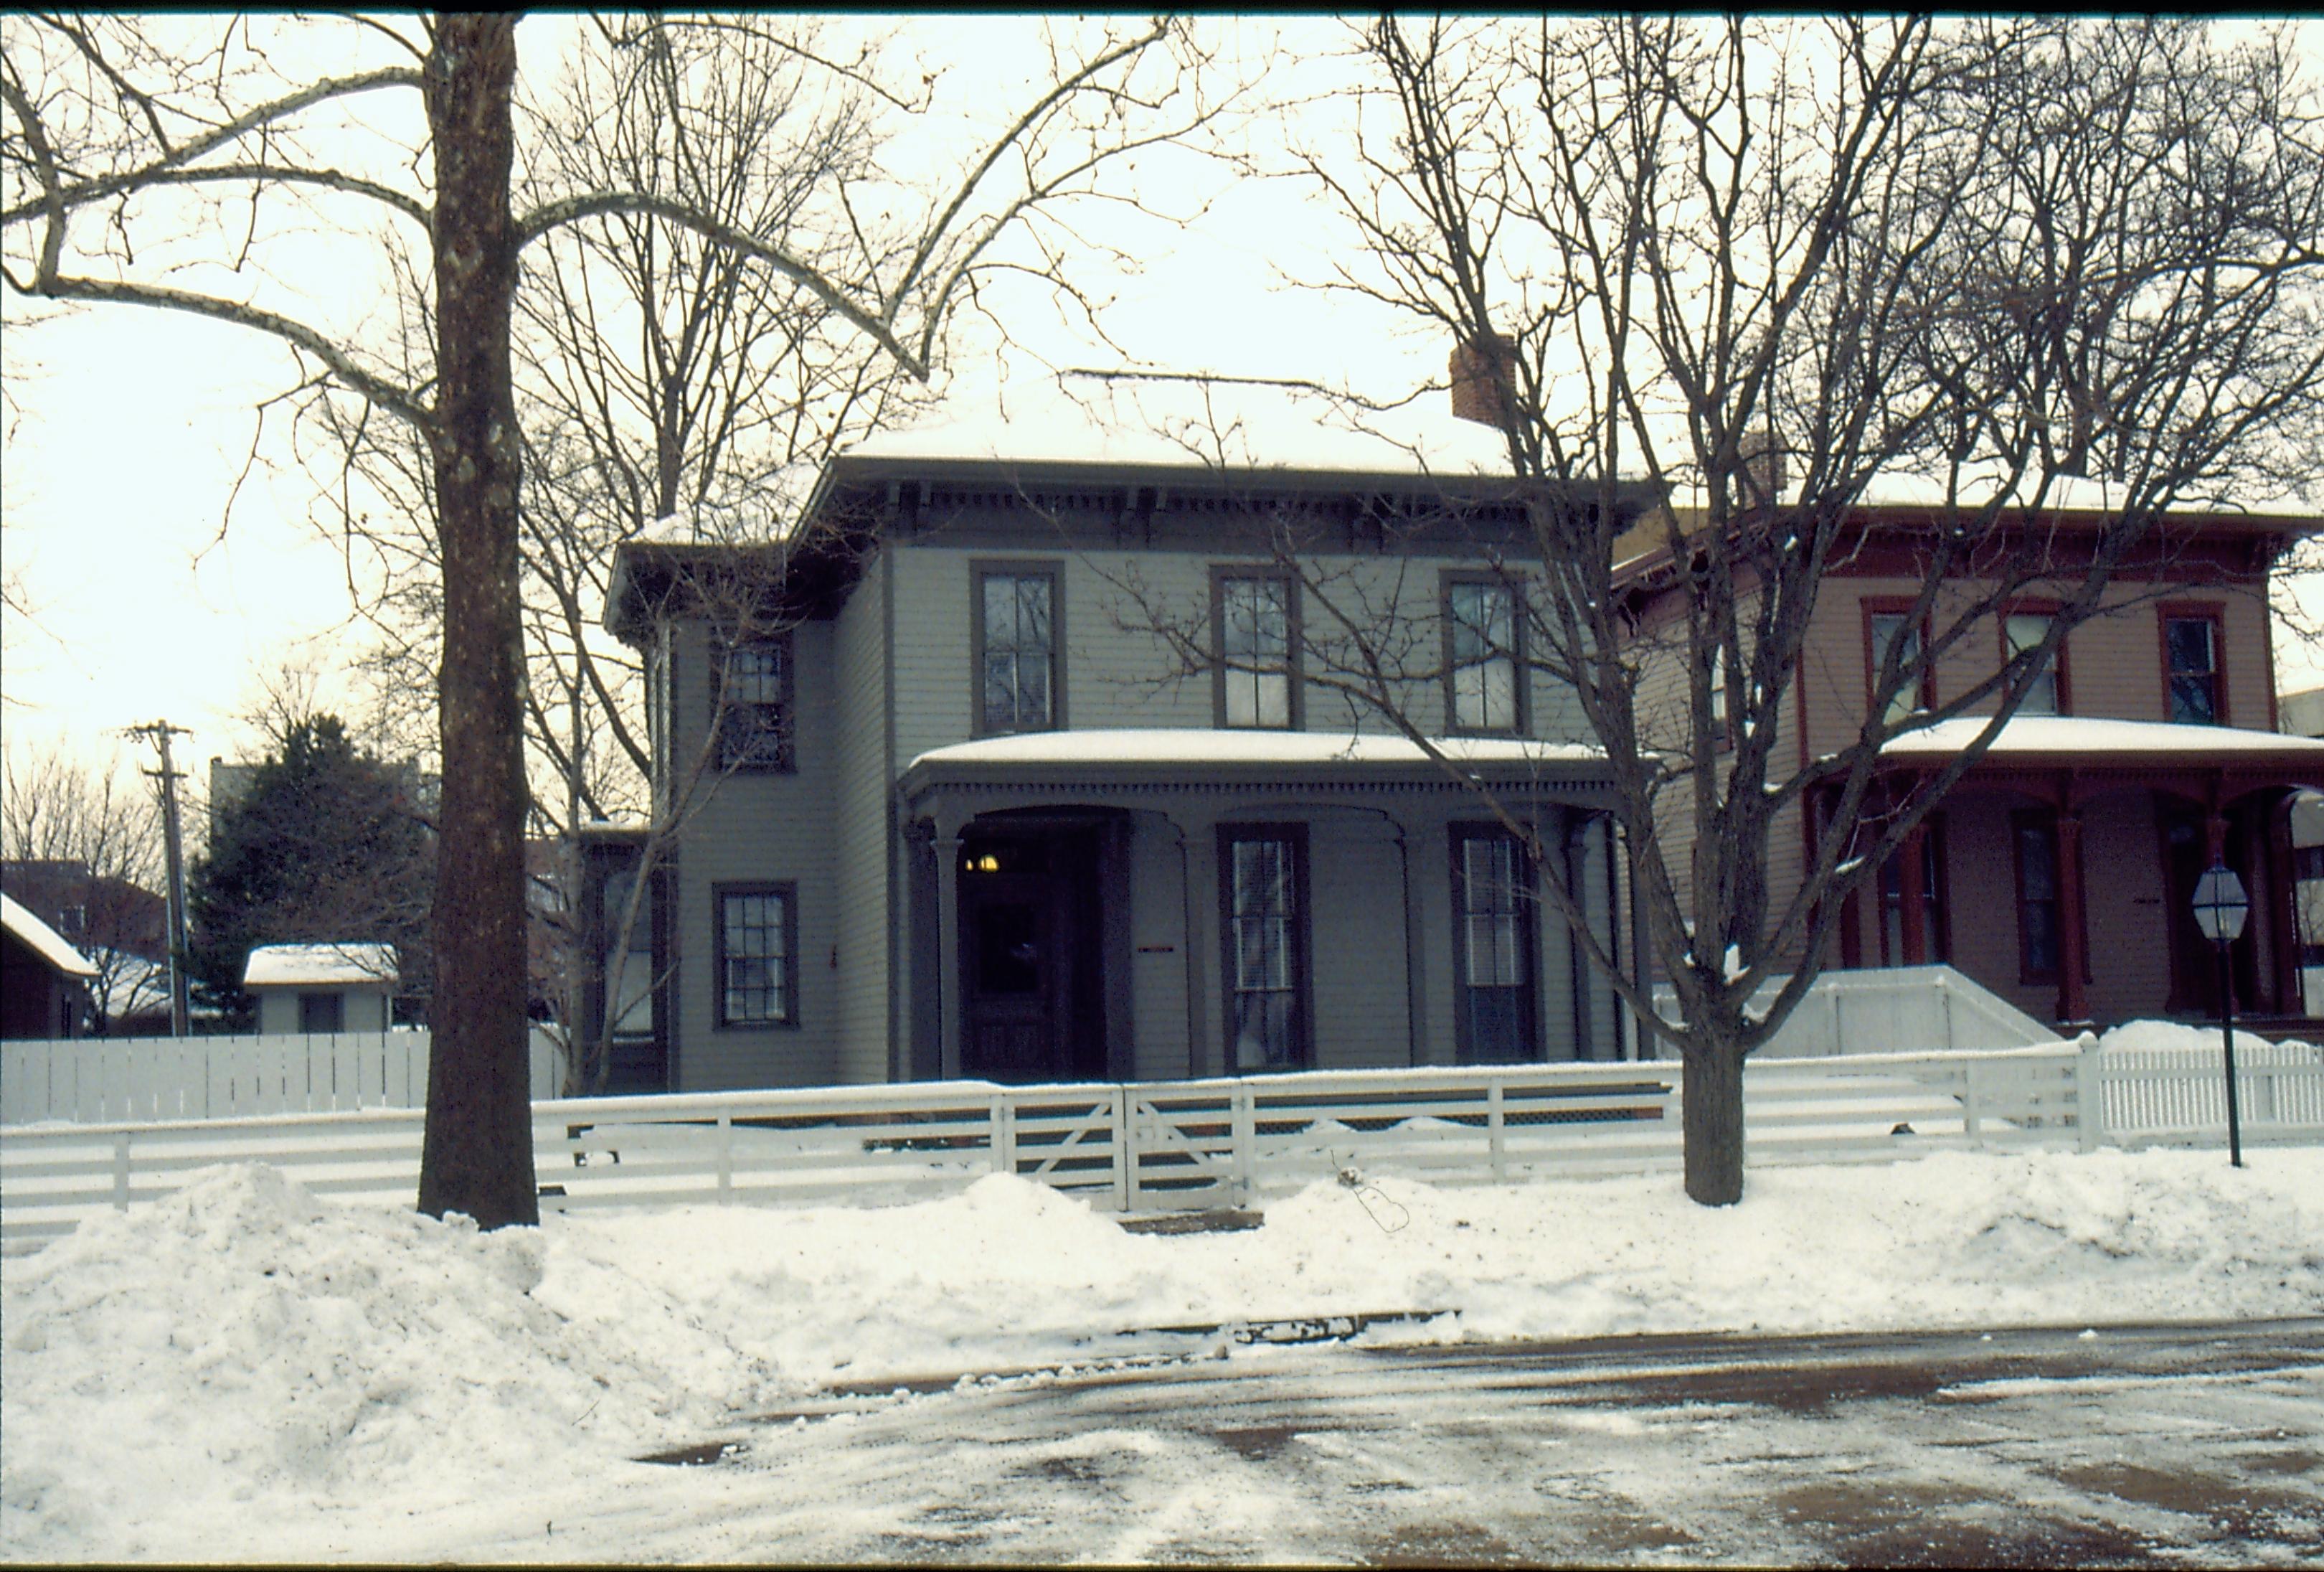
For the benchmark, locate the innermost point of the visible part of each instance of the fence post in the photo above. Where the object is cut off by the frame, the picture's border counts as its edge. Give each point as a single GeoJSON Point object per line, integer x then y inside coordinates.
{"type": "Point", "coordinates": [1124, 1181]}
{"type": "Point", "coordinates": [726, 1157]}
{"type": "Point", "coordinates": [1004, 1134]}
{"type": "Point", "coordinates": [120, 1170]}
{"type": "Point", "coordinates": [1493, 1131]}
{"type": "Point", "coordinates": [1971, 1092]}
{"type": "Point", "coordinates": [2089, 1092]}
{"type": "Point", "coordinates": [1246, 1137]}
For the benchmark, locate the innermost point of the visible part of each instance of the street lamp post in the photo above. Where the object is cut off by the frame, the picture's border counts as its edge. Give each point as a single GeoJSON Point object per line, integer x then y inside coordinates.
{"type": "Point", "coordinates": [2220, 908]}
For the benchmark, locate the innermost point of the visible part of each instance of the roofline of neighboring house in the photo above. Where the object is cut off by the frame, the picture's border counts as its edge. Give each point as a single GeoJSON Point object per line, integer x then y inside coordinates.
{"type": "Point", "coordinates": [42, 940]}
{"type": "Point", "coordinates": [1648, 571]}
{"type": "Point", "coordinates": [857, 495]}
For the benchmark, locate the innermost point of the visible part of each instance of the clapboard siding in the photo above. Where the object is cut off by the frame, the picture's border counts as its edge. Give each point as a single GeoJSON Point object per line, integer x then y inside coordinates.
{"type": "Point", "coordinates": [1118, 674]}
{"type": "Point", "coordinates": [753, 826]}
{"type": "Point", "coordinates": [860, 813]}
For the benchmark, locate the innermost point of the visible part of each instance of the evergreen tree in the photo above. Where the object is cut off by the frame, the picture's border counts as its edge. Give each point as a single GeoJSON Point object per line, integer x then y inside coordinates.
{"type": "Point", "coordinates": [327, 845]}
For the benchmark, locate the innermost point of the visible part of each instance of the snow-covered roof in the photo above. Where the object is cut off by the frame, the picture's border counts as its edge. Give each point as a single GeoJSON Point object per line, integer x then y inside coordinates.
{"type": "Point", "coordinates": [2053, 734]}
{"type": "Point", "coordinates": [1202, 748]}
{"type": "Point", "coordinates": [42, 940]}
{"type": "Point", "coordinates": [1193, 423]}
{"type": "Point", "coordinates": [319, 964]}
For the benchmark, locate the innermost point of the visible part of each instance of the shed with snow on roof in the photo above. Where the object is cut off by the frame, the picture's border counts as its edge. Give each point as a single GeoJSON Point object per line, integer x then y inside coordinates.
{"type": "Point", "coordinates": [321, 987]}
{"type": "Point", "coordinates": [44, 980]}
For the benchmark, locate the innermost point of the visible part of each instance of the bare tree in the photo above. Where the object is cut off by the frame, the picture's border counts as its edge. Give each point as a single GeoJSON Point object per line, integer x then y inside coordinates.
{"type": "Point", "coordinates": [169, 164]}
{"type": "Point", "coordinates": [1991, 258]}
{"type": "Point", "coordinates": [670, 387]}
{"type": "Point", "coordinates": [87, 845]}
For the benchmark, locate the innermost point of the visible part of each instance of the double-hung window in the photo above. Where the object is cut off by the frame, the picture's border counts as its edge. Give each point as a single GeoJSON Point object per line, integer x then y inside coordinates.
{"type": "Point", "coordinates": [1017, 649]}
{"type": "Point", "coordinates": [322, 1012]}
{"type": "Point", "coordinates": [1263, 878]}
{"type": "Point", "coordinates": [1493, 944]}
{"type": "Point", "coordinates": [2039, 912]}
{"type": "Point", "coordinates": [1482, 659]}
{"type": "Point", "coordinates": [757, 951]}
{"type": "Point", "coordinates": [1892, 626]}
{"type": "Point", "coordinates": [753, 693]}
{"type": "Point", "coordinates": [1257, 623]}
{"type": "Point", "coordinates": [2190, 662]}
{"type": "Point", "coordinates": [2045, 692]}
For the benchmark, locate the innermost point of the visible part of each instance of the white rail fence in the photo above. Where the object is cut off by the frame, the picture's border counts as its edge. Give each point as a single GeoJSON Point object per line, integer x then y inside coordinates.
{"type": "Point", "coordinates": [1158, 1146]}
{"type": "Point", "coordinates": [95, 1080]}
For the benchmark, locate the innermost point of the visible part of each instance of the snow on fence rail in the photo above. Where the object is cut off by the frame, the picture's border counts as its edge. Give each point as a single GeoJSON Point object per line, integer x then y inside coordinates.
{"type": "Point", "coordinates": [1177, 1145]}
{"type": "Point", "coordinates": [95, 1080]}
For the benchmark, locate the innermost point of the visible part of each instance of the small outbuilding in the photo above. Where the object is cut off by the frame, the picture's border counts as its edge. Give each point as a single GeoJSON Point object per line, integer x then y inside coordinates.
{"type": "Point", "coordinates": [44, 980]}
{"type": "Point", "coordinates": [321, 987]}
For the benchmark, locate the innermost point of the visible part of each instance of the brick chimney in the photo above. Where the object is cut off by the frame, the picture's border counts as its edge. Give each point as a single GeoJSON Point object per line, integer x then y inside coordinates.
{"type": "Point", "coordinates": [1484, 377]}
{"type": "Point", "coordinates": [1763, 469]}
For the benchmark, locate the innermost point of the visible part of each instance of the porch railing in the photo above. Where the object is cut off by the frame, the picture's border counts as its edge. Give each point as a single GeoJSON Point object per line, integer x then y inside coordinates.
{"type": "Point", "coordinates": [1931, 1007]}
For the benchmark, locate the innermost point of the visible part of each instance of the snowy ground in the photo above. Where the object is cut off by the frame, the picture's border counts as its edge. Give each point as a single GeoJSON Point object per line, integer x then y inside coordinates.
{"type": "Point", "coordinates": [244, 1371]}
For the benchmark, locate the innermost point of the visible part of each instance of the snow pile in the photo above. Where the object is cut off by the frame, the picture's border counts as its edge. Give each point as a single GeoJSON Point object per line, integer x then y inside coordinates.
{"type": "Point", "coordinates": [2170, 1036]}
{"type": "Point", "coordinates": [243, 1338]}
{"type": "Point", "coordinates": [244, 1353]}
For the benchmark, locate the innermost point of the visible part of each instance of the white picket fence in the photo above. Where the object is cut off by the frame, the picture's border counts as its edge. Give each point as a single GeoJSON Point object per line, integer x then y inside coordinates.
{"type": "Point", "coordinates": [95, 1080]}
{"type": "Point", "coordinates": [1177, 1145]}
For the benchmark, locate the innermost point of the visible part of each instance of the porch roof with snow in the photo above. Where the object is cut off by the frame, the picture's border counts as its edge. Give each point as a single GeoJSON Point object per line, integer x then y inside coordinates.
{"type": "Point", "coordinates": [2203, 761]}
{"type": "Point", "coordinates": [321, 965]}
{"type": "Point", "coordinates": [1186, 757]}
{"type": "Point", "coordinates": [42, 940]}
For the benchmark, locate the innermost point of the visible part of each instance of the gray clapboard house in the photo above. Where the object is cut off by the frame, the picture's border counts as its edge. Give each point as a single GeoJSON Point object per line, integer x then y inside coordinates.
{"type": "Point", "coordinates": [1031, 770]}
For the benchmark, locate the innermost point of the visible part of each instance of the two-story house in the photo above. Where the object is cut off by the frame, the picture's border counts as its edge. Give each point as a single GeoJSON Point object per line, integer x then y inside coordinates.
{"type": "Point", "coordinates": [1018, 773]}
{"type": "Point", "coordinates": [2060, 871]}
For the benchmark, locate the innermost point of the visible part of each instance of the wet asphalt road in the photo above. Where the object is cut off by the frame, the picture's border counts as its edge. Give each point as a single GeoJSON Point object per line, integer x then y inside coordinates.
{"type": "Point", "coordinates": [2138, 1446]}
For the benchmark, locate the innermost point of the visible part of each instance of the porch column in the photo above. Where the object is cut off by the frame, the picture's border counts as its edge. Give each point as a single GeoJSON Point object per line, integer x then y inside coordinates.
{"type": "Point", "coordinates": [1415, 943]}
{"type": "Point", "coordinates": [2073, 1008]}
{"type": "Point", "coordinates": [1116, 946]}
{"type": "Point", "coordinates": [950, 820]}
{"type": "Point", "coordinates": [1912, 892]}
{"type": "Point", "coordinates": [1205, 1054]}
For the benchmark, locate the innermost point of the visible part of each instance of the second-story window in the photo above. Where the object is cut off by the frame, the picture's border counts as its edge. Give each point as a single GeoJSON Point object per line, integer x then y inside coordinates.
{"type": "Point", "coordinates": [1480, 630]}
{"type": "Point", "coordinates": [1254, 632]}
{"type": "Point", "coordinates": [2023, 631]}
{"type": "Point", "coordinates": [1017, 645]}
{"type": "Point", "coordinates": [2191, 656]}
{"type": "Point", "coordinates": [754, 705]}
{"type": "Point", "coordinates": [1892, 627]}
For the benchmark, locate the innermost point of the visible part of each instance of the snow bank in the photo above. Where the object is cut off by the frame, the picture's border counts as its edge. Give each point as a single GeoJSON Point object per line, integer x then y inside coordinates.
{"type": "Point", "coordinates": [245, 1352]}
{"type": "Point", "coordinates": [2165, 1036]}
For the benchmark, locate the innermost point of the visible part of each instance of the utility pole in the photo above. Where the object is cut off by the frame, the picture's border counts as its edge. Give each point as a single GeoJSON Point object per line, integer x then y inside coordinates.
{"type": "Point", "coordinates": [159, 733]}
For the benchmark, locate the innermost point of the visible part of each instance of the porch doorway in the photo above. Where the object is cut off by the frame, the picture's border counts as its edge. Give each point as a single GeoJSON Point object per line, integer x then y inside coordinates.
{"type": "Point", "coordinates": [1032, 954]}
{"type": "Point", "coordinates": [2194, 960]}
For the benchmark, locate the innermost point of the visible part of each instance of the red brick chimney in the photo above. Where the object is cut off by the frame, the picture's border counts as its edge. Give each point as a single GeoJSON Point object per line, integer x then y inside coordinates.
{"type": "Point", "coordinates": [1763, 469]}
{"type": "Point", "coordinates": [1484, 379]}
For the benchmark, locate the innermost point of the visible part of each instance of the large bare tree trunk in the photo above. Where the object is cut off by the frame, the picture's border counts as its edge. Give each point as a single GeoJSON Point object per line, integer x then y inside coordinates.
{"type": "Point", "coordinates": [1711, 1092]}
{"type": "Point", "coordinates": [477, 1155]}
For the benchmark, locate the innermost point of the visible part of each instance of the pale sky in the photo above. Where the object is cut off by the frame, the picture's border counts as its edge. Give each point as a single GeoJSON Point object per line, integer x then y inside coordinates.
{"type": "Point", "coordinates": [130, 428]}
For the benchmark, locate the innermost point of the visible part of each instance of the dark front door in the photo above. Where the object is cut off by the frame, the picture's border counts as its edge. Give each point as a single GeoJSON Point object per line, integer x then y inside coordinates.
{"type": "Point", "coordinates": [1008, 929]}
{"type": "Point", "coordinates": [1030, 961]}
{"type": "Point", "coordinates": [2194, 959]}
